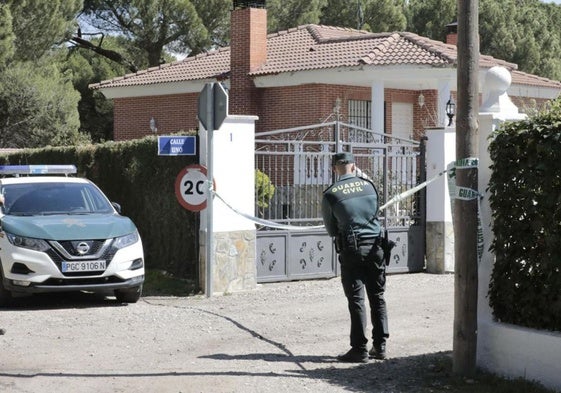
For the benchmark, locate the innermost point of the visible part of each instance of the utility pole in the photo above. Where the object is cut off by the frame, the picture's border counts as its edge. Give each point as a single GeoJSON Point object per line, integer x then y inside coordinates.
{"type": "Point", "coordinates": [465, 211]}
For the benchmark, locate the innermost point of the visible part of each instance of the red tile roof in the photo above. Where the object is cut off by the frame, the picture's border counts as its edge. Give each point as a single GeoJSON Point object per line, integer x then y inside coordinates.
{"type": "Point", "coordinates": [313, 47]}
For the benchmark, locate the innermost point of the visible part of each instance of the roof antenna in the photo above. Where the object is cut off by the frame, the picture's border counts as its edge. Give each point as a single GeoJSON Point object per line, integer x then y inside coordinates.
{"type": "Point", "coordinates": [359, 15]}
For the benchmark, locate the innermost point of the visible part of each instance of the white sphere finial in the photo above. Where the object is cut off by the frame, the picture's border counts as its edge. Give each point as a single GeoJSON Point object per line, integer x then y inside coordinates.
{"type": "Point", "coordinates": [497, 82]}
{"type": "Point", "coordinates": [498, 79]}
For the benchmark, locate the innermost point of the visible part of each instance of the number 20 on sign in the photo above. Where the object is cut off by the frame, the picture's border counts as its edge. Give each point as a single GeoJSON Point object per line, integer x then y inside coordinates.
{"type": "Point", "coordinates": [191, 187]}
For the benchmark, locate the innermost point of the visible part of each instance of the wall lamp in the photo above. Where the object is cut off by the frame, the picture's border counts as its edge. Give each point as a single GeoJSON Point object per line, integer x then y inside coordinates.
{"type": "Point", "coordinates": [421, 100]}
{"type": "Point", "coordinates": [153, 125]}
{"type": "Point", "coordinates": [450, 110]}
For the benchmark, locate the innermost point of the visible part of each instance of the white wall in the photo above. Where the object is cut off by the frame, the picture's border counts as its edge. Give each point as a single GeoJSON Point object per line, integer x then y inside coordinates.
{"type": "Point", "coordinates": [441, 150]}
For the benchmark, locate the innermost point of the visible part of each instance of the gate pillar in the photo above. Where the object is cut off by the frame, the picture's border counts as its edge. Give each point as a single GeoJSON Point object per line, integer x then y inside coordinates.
{"type": "Point", "coordinates": [234, 235]}
{"type": "Point", "coordinates": [441, 150]}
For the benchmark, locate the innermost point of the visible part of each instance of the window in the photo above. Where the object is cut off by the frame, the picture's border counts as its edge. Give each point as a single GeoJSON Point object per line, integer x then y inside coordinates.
{"type": "Point", "coordinates": [54, 198]}
{"type": "Point", "coordinates": [360, 113]}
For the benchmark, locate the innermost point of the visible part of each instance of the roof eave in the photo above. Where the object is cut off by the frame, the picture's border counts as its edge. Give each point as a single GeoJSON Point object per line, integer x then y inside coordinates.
{"type": "Point", "coordinates": [399, 76]}
{"type": "Point", "coordinates": [157, 89]}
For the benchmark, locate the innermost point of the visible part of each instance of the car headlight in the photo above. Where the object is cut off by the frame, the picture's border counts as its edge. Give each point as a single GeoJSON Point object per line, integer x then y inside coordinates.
{"type": "Point", "coordinates": [125, 241]}
{"type": "Point", "coordinates": [28, 242]}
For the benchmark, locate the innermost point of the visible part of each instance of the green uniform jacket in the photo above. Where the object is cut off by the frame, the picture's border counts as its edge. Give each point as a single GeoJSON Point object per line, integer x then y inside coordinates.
{"type": "Point", "coordinates": [351, 202]}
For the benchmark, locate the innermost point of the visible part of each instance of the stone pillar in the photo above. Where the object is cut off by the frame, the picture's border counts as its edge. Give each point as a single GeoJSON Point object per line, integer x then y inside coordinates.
{"type": "Point", "coordinates": [234, 235]}
{"type": "Point", "coordinates": [496, 109]}
{"type": "Point", "coordinates": [440, 232]}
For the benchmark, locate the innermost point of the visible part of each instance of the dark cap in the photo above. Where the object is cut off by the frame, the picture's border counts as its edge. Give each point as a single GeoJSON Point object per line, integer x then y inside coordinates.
{"type": "Point", "coordinates": [343, 158]}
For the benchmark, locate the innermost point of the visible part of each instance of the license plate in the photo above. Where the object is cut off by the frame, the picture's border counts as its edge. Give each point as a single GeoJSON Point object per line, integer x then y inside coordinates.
{"type": "Point", "coordinates": [83, 266]}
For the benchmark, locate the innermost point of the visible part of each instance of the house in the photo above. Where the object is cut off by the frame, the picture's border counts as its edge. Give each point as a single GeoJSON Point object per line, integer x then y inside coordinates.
{"type": "Point", "coordinates": [396, 82]}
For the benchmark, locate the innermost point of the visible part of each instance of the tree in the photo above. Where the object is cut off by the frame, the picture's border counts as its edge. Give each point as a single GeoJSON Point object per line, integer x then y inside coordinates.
{"type": "Point", "coordinates": [6, 34]}
{"type": "Point", "coordinates": [151, 25]}
{"type": "Point", "coordinates": [39, 24]}
{"type": "Point", "coordinates": [370, 15]}
{"type": "Point", "coordinates": [520, 32]}
{"type": "Point", "coordinates": [285, 14]}
{"type": "Point", "coordinates": [96, 46]}
{"type": "Point", "coordinates": [215, 16]}
{"type": "Point", "coordinates": [38, 106]}
{"type": "Point", "coordinates": [429, 17]}
{"type": "Point", "coordinates": [385, 15]}
{"type": "Point", "coordinates": [86, 67]}
{"type": "Point", "coordinates": [344, 14]}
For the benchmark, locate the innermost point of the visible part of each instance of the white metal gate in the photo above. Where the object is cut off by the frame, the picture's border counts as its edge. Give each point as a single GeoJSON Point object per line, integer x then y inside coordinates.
{"type": "Point", "coordinates": [293, 167]}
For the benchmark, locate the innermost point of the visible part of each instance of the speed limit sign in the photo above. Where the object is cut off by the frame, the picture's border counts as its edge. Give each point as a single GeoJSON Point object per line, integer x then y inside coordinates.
{"type": "Point", "coordinates": [191, 188]}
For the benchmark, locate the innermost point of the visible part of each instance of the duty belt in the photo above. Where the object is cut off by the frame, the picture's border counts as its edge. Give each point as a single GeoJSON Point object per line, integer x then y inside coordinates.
{"type": "Point", "coordinates": [369, 242]}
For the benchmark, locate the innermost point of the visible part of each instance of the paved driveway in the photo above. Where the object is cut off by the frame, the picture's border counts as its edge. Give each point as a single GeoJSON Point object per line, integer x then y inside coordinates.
{"type": "Point", "coordinates": [282, 337]}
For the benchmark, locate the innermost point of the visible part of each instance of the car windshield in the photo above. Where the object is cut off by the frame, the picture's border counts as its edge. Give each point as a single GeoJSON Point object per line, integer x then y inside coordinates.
{"type": "Point", "coordinates": [54, 198]}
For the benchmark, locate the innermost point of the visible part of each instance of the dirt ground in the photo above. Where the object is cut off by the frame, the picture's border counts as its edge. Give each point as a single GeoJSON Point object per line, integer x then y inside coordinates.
{"type": "Point", "coordinates": [282, 337]}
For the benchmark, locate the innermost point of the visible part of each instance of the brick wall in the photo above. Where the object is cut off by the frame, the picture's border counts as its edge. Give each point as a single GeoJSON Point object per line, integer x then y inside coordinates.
{"type": "Point", "coordinates": [172, 113]}
{"type": "Point", "coordinates": [452, 38]}
{"type": "Point", "coordinates": [248, 45]}
{"type": "Point", "coordinates": [295, 106]}
{"type": "Point", "coordinates": [279, 107]}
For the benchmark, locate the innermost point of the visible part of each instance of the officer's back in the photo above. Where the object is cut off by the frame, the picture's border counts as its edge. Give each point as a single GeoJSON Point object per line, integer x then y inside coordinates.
{"type": "Point", "coordinates": [351, 203]}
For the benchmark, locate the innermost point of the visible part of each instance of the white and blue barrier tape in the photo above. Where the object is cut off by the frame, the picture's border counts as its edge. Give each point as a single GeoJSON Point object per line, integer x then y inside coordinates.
{"type": "Point", "coordinates": [456, 192]}
{"type": "Point", "coordinates": [267, 223]}
{"type": "Point", "coordinates": [466, 194]}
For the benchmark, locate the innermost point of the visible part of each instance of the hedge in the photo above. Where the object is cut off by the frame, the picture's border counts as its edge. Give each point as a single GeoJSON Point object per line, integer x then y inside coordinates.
{"type": "Point", "coordinates": [525, 198]}
{"type": "Point", "coordinates": [133, 175]}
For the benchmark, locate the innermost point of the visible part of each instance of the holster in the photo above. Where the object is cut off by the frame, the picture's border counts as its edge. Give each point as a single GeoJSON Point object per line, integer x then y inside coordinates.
{"type": "Point", "coordinates": [387, 245]}
{"type": "Point", "coordinates": [346, 241]}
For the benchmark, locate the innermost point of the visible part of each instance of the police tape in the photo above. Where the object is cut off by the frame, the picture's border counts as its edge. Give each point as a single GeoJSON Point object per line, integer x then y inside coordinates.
{"type": "Point", "coordinates": [456, 192]}
{"type": "Point", "coordinates": [466, 194]}
{"type": "Point", "coordinates": [408, 193]}
{"type": "Point", "coordinates": [276, 225]}
{"type": "Point", "coordinates": [267, 223]}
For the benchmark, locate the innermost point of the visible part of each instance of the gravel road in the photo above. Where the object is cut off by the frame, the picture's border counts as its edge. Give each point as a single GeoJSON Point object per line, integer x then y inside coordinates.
{"type": "Point", "coordinates": [282, 337]}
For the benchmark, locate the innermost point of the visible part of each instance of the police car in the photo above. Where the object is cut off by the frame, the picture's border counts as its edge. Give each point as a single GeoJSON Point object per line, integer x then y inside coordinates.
{"type": "Point", "coordinates": [60, 233]}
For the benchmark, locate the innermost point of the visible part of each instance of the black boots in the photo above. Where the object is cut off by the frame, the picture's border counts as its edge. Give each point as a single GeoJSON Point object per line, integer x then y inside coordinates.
{"type": "Point", "coordinates": [354, 355]}
{"type": "Point", "coordinates": [378, 351]}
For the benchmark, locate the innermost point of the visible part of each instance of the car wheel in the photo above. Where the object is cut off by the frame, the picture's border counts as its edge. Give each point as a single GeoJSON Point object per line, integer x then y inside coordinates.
{"type": "Point", "coordinates": [129, 295]}
{"type": "Point", "coordinates": [5, 295]}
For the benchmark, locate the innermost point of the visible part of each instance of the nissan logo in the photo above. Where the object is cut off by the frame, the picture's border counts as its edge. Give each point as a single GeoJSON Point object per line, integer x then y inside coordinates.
{"type": "Point", "coordinates": [82, 248]}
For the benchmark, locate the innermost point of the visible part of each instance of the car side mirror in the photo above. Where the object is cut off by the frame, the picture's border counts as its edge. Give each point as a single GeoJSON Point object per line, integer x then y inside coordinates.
{"type": "Point", "coordinates": [117, 207]}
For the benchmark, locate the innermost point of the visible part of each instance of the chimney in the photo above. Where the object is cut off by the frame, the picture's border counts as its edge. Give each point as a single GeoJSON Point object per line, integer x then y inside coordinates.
{"type": "Point", "coordinates": [248, 52]}
{"type": "Point", "coordinates": [452, 33]}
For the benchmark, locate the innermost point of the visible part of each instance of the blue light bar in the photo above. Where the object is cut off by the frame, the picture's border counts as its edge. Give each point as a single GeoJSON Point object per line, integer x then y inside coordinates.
{"type": "Point", "coordinates": [37, 169]}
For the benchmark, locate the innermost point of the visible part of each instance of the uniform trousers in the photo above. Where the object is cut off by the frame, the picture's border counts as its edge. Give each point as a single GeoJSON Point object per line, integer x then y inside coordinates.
{"type": "Point", "coordinates": [364, 270]}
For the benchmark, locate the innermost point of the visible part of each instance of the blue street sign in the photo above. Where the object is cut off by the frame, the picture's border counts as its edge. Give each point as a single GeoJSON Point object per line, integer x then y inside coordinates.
{"type": "Point", "coordinates": [176, 145]}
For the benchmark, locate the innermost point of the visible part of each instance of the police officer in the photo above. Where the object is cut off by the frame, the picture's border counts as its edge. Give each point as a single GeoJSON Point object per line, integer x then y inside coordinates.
{"type": "Point", "coordinates": [350, 215]}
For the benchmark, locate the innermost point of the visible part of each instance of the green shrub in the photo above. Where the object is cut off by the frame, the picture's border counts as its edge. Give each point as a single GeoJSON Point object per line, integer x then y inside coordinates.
{"type": "Point", "coordinates": [525, 189]}
{"type": "Point", "coordinates": [264, 190]}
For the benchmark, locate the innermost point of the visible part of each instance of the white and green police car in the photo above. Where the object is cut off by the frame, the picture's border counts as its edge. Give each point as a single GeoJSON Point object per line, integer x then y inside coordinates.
{"type": "Point", "coordinates": [60, 234]}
